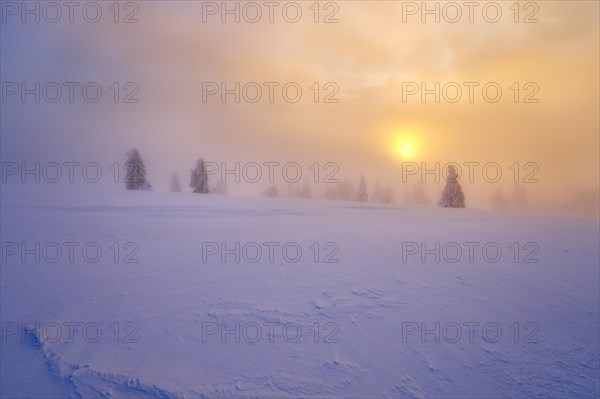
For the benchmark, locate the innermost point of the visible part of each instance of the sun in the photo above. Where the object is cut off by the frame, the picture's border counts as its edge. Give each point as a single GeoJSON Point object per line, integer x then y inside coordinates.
{"type": "Point", "coordinates": [404, 149]}
{"type": "Point", "coordinates": [405, 144]}
{"type": "Point", "coordinates": [403, 141]}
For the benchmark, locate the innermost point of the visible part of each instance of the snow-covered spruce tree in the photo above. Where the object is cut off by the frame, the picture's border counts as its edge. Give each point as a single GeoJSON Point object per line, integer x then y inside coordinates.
{"type": "Point", "coordinates": [332, 191]}
{"type": "Point", "coordinates": [407, 198]}
{"type": "Point", "coordinates": [585, 202]}
{"type": "Point", "coordinates": [271, 191]}
{"type": "Point", "coordinates": [175, 185]}
{"type": "Point", "coordinates": [347, 192]}
{"type": "Point", "coordinates": [199, 178]}
{"type": "Point", "coordinates": [519, 200]}
{"type": "Point", "coordinates": [220, 188]}
{"type": "Point", "coordinates": [304, 191]}
{"type": "Point", "coordinates": [452, 196]}
{"type": "Point", "coordinates": [499, 201]}
{"type": "Point", "coordinates": [376, 195]}
{"type": "Point", "coordinates": [388, 195]}
{"type": "Point", "coordinates": [135, 172]}
{"type": "Point", "coordinates": [418, 196]}
{"type": "Point", "coordinates": [361, 194]}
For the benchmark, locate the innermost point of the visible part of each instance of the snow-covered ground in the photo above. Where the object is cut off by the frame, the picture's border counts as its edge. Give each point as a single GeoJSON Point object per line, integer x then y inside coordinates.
{"type": "Point", "coordinates": [381, 322]}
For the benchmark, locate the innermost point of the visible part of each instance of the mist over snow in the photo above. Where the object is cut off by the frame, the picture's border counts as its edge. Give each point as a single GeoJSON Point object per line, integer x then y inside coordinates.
{"type": "Point", "coordinates": [345, 199]}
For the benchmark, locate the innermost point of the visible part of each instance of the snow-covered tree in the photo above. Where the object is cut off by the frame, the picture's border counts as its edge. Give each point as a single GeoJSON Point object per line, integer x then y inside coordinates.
{"type": "Point", "coordinates": [452, 196]}
{"type": "Point", "coordinates": [418, 196]}
{"type": "Point", "coordinates": [499, 201]}
{"type": "Point", "coordinates": [407, 198]}
{"type": "Point", "coordinates": [361, 194]}
{"type": "Point", "coordinates": [332, 191]}
{"type": "Point", "coordinates": [175, 185]}
{"type": "Point", "coordinates": [376, 195]}
{"type": "Point", "coordinates": [304, 191]}
{"type": "Point", "coordinates": [271, 191]}
{"type": "Point", "coordinates": [342, 190]}
{"type": "Point", "coordinates": [199, 178]}
{"type": "Point", "coordinates": [220, 188]}
{"type": "Point", "coordinates": [388, 195]}
{"type": "Point", "coordinates": [585, 202]}
{"type": "Point", "coordinates": [300, 190]}
{"type": "Point", "coordinates": [135, 172]}
{"type": "Point", "coordinates": [519, 201]}
{"type": "Point", "coordinates": [346, 191]}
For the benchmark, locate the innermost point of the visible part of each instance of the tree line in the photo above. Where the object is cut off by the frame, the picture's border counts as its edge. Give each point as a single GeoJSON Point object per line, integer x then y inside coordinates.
{"type": "Point", "coordinates": [451, 197]}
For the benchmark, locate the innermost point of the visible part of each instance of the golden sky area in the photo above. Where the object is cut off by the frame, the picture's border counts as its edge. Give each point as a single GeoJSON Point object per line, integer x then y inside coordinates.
{"type": "Point", "coordinates": [372, 57]}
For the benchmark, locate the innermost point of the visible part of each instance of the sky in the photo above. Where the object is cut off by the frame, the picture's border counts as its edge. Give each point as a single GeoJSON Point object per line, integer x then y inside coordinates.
{"type": "Point", "coordinates": [366, 62]}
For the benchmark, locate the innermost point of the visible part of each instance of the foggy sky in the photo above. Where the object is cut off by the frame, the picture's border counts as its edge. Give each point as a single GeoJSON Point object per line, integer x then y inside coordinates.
{"type": "Point", "coordinates": [369, 53]}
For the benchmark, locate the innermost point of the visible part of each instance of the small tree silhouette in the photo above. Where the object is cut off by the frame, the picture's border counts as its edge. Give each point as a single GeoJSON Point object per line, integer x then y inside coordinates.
{"type": "Point", "coordinates": [271, 191]}
{"type": "Point", "coordinates": [199, 178]}
{"type": "Point", "coordinates": [499, 201]}
{"type": "Point", "coordinates": [361, 194]}
{"type": "Point", "coordinates": [175, 185]}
